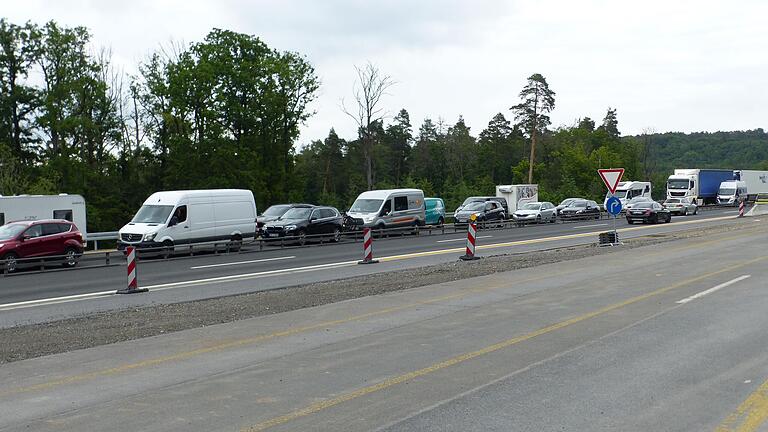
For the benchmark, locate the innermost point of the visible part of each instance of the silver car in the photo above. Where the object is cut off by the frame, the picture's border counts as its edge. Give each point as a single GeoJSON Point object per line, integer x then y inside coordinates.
{"type": "Point", "coordinates": [681, 206]}
{"type": "Point", "coordinates": [535, 212]}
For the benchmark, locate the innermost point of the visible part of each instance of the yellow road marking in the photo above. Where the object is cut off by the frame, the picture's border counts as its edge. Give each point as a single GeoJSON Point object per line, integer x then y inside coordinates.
{"type": "Point", "coordinates": [248, 341]}
{"type": "Point", "coordinates": [750, 415]}
{"type": "Point", "coordinates": [328, 403]}
{"type": "Point", "coordinates": [256, 339]}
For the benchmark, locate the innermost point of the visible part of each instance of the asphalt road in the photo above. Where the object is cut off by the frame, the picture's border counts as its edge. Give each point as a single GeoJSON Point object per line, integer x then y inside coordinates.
{"type": "Point", "coordinates": [281, 266]}
{"type": "Point", "coordinates": [651, 338]}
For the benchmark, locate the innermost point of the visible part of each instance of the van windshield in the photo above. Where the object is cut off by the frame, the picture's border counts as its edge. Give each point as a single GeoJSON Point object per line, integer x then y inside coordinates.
{"type": "Point", "coordinates": [618, 194]}
{"type": "Point", "coordinates": [10, 231]}
{"type": "Point", "coordinates": [152, 214]}
{"type": "Point", "coordinates": [366, 205]}
{"type": "Point", "coordinates": [726, 191]}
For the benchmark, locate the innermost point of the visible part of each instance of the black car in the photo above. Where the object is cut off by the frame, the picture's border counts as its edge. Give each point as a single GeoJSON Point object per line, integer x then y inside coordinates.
{"type": "Point", "coordinates": [648, 212]}
{"type": "Point", "coordinates": [473, 199]}
{"type": "Point", "coordinates": [486, 211]}
{"type": "Point", "coordinates": [274, 212]}
{"type": "Point", "coordinates": [305, 222]}
{"type": "Point", "coordinates": [580, 209]}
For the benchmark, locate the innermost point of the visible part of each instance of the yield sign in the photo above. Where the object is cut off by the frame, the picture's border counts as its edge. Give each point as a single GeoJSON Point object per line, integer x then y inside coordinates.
{"type": "Point", "coordinates": [611, 178]}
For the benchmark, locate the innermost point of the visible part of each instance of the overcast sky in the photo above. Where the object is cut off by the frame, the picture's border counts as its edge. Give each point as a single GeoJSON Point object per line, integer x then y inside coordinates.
{"type": "Point", "coordinates": [667, 65]}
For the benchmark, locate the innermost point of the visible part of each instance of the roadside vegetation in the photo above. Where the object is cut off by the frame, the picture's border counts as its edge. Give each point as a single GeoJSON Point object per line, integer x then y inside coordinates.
{"type": "Point", "coordinates": [226, 112]}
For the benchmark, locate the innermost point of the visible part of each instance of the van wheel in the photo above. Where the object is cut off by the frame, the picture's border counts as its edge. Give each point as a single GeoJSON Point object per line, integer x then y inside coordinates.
{"type": "Point", "coordinates": [440, 221]}
{"type": "Point", "coordinates": [380, 231]}
{"type": "Point", "coordinates": [235, 243]}
{"type": "Point", "coordinates": [167, 250]}
{"type": "Point", "coordinates": [71, 257]}
{"type": "Point", "coordinates": [11, 263]}
{"type": "Point", "coordinates": [336, 235]}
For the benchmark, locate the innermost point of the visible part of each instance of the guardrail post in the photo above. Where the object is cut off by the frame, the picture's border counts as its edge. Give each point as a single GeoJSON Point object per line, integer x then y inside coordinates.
{"type": "Point", "coordinates": [107, 258]}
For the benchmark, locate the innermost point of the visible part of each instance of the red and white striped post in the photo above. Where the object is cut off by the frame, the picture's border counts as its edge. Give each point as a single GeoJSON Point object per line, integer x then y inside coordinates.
{"type": "Point", "coordinates": [133, 283]}
{"type": "Point", "coordinates": [469, 255]}
{"type": "Point", "coordinates": [741, 208]}
{"type": "Point", "coordinates": [367, 247]}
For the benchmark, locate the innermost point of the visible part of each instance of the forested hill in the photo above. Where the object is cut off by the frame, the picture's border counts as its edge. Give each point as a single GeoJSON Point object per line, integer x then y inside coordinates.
{"type": "Point", "coordinates": [737, 150]}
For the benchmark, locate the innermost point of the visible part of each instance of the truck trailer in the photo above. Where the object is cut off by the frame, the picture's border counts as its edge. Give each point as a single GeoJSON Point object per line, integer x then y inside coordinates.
{"type": "Point", "coordinates": [698, 185]}
{"type": "Point", "coordinates": [756, 181]}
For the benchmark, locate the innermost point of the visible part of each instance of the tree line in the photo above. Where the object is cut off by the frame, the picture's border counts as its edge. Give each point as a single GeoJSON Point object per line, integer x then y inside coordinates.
{"type": "Point", "coordinates": [226, 112]}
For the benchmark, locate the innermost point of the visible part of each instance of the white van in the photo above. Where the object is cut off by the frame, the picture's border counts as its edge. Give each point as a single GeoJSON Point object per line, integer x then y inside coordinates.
{"type": "Point", "coordinates": [389, 208]}
{"type": "Point", "coordinates": [175, 218]}
{"type": "Point", "coordinates": [38, 207]}
{"type": "Point", "coordinates": [732, 192]}
{"type": "Point", "coordinates": [625, 191]}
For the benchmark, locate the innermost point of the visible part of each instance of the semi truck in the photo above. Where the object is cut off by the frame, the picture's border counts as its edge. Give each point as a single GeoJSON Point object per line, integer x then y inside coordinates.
{"type": "Point", "coordinates": [698, 185]}
{"type": "Point", "coordinates": [756, 182]}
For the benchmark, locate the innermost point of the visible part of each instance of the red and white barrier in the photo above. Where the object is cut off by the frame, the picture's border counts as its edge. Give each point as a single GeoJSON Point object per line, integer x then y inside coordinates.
{"type": "Point", "coordinates": [741, 208]}
{"type": "Point", "coordinates": [471, 236]}
{"type": "Point", "coordinates": [367, 247]}
{"type": "Point", "coordinates": [133, 282]}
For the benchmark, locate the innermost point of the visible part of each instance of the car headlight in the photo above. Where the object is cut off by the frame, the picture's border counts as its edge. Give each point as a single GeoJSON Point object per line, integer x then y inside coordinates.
{"type": "Point", "coordinates": [1, 245]}
{"type": "Point", "coordinates": [289, 227]}
{"type": "Point", "coordinates": [150, 237]}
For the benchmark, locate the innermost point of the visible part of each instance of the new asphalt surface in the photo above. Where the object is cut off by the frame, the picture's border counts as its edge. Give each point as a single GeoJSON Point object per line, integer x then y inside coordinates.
{"type": "Point", "coordinates": [652, 338]}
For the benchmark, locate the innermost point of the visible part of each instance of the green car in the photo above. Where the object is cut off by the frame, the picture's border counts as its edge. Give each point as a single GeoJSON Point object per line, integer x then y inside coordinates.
{"type": "Point", "coordinates": [435, 209]}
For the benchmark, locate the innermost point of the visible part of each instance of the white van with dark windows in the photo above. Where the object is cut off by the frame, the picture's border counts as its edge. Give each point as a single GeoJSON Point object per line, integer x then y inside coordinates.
{"type": "Point", "coordinates": [389, 208]}
{"type": "Point", "coordinates": [171, 218]}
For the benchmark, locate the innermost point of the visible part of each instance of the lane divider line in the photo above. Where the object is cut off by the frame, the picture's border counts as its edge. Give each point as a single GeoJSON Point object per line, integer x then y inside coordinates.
{"type": "Point", "coordinates": [257, 275]}
{"type": "Point", "coordinates": [589, 226]}
{"type": "Point", "coordinates": [393, 381]}
{"type": "Point", "coordinates": [241, 262]}
{"type": "Point", "coordinates": [713, 289]}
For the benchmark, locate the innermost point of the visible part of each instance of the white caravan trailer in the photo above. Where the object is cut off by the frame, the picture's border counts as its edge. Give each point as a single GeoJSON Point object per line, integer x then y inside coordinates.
{"type": "Point", "coordinates": [173, 218]}
{"type": "Point", "coordinates": [38, 207]}
{"type": "Point", "coordinates": [518, 195]}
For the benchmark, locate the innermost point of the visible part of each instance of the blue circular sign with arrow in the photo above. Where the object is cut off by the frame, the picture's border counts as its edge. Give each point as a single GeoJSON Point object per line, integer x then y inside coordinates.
{"type": "Point", "coordinates": [613, 206]}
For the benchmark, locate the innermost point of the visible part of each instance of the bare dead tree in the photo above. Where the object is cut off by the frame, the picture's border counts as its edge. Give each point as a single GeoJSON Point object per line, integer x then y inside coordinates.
{"type": "Point", "coordinates": [368, 90]}
{"type": "Point", "coordinates": [649, 163]}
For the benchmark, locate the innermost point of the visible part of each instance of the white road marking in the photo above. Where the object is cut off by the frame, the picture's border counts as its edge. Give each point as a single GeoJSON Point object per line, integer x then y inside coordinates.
{"type": "Point", "coordinates": [247, 276]}
{"type": "Point", "coordinates": [713, 289]}
{"type": "Point", "coordinates": [241, 262]}
{"type": "Point", "coordinates": [461, 239]}
{"type": "Point", "coordinates": [589, 226]}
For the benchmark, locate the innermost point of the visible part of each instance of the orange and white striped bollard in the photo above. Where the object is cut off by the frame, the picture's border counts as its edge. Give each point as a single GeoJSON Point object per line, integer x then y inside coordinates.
{"type": "Point", "coordinates": [367, 247]}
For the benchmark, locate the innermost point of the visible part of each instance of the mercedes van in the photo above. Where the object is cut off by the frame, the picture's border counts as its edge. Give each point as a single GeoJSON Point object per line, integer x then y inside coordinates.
{"type": "Point", "coordinates": [389, 208]}
{"type": "Point", "coordinates": [172, 218]}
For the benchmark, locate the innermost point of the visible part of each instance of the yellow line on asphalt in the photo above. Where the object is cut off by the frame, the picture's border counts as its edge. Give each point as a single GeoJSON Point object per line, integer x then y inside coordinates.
{"type": "Point", "coordinates": [256, 339]}
{"type": "Point", "coordinates": [248, 341]}
{"type": "Point", "coordinates": [750, 415]}
{"type": "Point", "coordinates": [328, 403]}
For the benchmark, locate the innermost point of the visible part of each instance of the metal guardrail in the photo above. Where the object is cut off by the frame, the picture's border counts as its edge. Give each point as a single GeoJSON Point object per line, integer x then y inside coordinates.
{"type": "Point", "coordinates": [102, 236]}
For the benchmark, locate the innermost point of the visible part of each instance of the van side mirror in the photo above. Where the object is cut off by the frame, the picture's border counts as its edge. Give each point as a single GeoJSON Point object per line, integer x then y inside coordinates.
{"type": "Point", "coordinates": [174, 221]}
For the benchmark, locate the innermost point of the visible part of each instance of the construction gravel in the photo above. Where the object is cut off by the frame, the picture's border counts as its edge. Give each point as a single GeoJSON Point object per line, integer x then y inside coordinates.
{"type": "Point", "coordinates": [37, 340]}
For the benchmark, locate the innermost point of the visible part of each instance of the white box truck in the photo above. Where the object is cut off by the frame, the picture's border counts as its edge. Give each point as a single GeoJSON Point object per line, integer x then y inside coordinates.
{"type": "Point", "coordinates": [756, 181]}
{"type": "Point", "coordinates": [171, 218]}
{"type": "Point", "coordinates": [38, 207]}
{"type": "Point", "coordinates": [518, 195]}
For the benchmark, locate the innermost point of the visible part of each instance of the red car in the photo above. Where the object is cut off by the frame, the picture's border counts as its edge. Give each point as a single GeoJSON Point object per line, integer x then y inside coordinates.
{"type": "Point", "coordinates": [41, 238]}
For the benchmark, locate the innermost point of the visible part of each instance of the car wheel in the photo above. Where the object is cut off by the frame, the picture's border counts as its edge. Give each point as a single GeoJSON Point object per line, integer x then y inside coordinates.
{"type": "Point", "coordinates": [654, 219]}
{"type": "Point", "coordinates": [440, 221]}
{"type": "Point", "coordinates": [11, 262]}
{"type": "Point", "coordinates": [336, 235]}
{"type": "Point", "coordinates": [538, 219]}
{"type": "Point", "coordinates": [235, 243]}
{"type": "Point", "coordinates": [301, 237]}
{"type": "Point", "coordinates": [669, 218]}
{"type": "Point", "coordinates": [696, 210]}
{"type": "Point", "coordinates": [71, 257]}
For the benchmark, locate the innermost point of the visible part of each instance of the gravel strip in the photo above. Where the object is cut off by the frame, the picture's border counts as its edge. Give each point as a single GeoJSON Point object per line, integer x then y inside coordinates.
{"type": "Point", "coordinates": [37, 340]}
